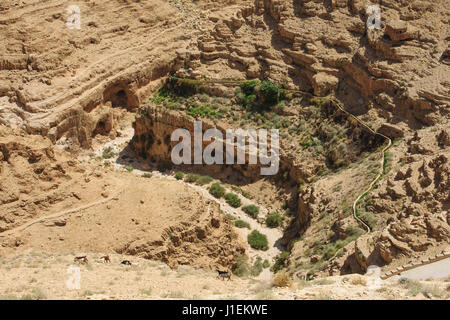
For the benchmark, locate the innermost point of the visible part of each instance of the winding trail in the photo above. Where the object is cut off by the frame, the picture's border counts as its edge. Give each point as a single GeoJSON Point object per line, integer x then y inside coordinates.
{"type": "Point", "coordinates": [382, 162]}
{"type": "Point", "coordinates": [59, 214]}
{"type": "Point", "coordinates": [336, 103]}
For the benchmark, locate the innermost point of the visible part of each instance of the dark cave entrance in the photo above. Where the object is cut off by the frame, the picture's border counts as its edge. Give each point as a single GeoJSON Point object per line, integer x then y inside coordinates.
{"type": "Point", "coordinates": [119, 99]}
{"type": "Point", "coordinates": [101, 129]}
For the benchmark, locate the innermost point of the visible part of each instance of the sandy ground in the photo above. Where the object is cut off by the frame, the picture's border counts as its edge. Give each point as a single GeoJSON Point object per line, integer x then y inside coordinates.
{"type": "Point", "coordinates": [40, 275]}
{"type": "Point", "coordinates": [45, 275]}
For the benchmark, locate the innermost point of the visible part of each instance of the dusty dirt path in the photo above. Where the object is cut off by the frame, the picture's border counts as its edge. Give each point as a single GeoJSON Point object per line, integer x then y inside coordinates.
{"type": "Point", "coordinates": [60, 214]}
{"type": "Point", "coordinates": [380, 174]}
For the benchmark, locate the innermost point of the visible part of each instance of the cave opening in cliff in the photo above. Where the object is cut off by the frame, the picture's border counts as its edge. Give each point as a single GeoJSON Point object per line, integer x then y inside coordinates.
{"type": "Point", "coordinates": [120, 99]}
{"type": "Point", "coordinates": [100, 128]}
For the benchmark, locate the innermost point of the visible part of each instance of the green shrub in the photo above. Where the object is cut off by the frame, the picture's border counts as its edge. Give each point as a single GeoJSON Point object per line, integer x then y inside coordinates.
{"type": "Point", "coordinates": [257, 267]}
{"type": "Point", "coordinates": [191, 177]}
{"type": "Point", "coordinates": [147, 175]}
{"type": "Point", "coordinates": [249, 100]}
{"type": "Point", "coordinates": [271, 92]}
{"type": "Point", "coordinates": [332, 248]}
{"type": "Point", "coordinates": [251, 210]}
{"type": "Point", "coordinates": [241, 268]}
{"type": "Point", "coordinates": [274, 220]}
{"type": "Point", "coordinates": [202, 180]}
{"type": "Point", "coordinates": [258, 240]}
{"type": "Point", "coordinates": [129, 168]}
{"type": "Point", "coordinates": [202, 111]}
{"type": "Point", "coordinates": [108, 153]}
{"type": "Point", "coordinates": [248, 87]}
{"type": "Point", "coordinates": [217, 190]}
{"type": "Point", "coordinates": [242, 224]}
{"type": "Point", "coordinates": [246, 93]}
{"type": "Point", "coordinates": [233, 200]}
{"type": "Point", "coordinates": [266, 264]}
{"type": "Point", "coordinates": [179, 175]}
{"type": "Point", "coordinates": [186, 87]}
{"type": "Point", "coordinates": [280, 261]}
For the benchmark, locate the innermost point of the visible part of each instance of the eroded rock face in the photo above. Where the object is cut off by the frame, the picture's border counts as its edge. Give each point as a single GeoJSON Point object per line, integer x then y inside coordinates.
{"type": "Point", "coordinates": [63, 83]}
{"type": "Point", "coordinates": [206, 241]}
{"type": "Point", "coordinates": [411, 206]}
{"type": "Point", "coordinates": [396, 73]}
{"type": "Point", "coordinates": [152, 139]}
{"type": "Point", "coordinates": [305, 207]}
{"type": "Point", "coordinates": [327, 47]}
{"type": "Point", "coordinates": [34, 177]}
{"type": "Point", "coordinates": [69, 87]}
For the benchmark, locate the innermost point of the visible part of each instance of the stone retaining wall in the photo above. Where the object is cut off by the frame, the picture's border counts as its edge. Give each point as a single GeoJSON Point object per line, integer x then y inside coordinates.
{"type": "Point", "coordinates": [440, 256]}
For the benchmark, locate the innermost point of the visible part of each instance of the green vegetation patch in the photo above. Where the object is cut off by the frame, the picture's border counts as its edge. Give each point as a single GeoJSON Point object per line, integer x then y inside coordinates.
{"type": "Point", "coordinates": [251, 210]}
{"type": "Point", "coordinates": [202, 180]}
{"type": "Point", "coordinates": [191, 177]}
{"type": "Point", "coordinates": [274, 220]}
{"type": "Point", "coordinates": [258, 240]}
{"type": "Point", "coordinates": [217, 190]}
{"type": "Point", "coordinates": [280, 261]}
{"type": "Point", "coordinates": [202, 111]}
{"type": "Point", "coordinates": [242, 267]}
{"type": "Point", "coordinates": [233, 200]}
{"type": "Point", "coordinates": [241, 224]}
{"type": "Point", "coordinates": [179, 175]}
{"type": "Point", "coordinates": [108, 153]}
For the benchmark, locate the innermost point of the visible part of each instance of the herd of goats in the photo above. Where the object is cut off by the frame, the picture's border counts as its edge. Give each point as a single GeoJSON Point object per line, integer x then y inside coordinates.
{"type": "Point", "coordinates": [106, 259]}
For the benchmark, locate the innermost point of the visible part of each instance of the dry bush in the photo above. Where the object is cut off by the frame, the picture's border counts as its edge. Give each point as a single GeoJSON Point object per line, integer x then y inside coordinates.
{"type": "Point", "coordinates": [282, 279]}
{"type": "Point", "coordinates": [358, 281]}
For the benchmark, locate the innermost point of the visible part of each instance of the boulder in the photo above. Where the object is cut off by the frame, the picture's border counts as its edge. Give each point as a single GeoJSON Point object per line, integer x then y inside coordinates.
{"type": "Point", "coordinates": [391, 131]}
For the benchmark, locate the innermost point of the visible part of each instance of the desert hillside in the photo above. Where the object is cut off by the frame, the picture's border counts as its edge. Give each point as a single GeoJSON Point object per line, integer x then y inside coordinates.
{"type": "Point", "coordinates": [91, 94]}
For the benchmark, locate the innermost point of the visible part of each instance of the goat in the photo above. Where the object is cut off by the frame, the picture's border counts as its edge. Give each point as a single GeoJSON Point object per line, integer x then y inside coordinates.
{"type": "Point", "coordinates": [126, 262]}
{"type": "Point", "coordinates": [223, 275]}
{"type": "Point", "coordinates": [105, 259]}
{"type": "Point", "coordinates": [81, 259]}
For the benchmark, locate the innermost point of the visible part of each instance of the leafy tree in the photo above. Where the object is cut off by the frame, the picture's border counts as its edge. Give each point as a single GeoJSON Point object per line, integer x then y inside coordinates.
{"type": "Point", "coordinates": [271, 92]}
